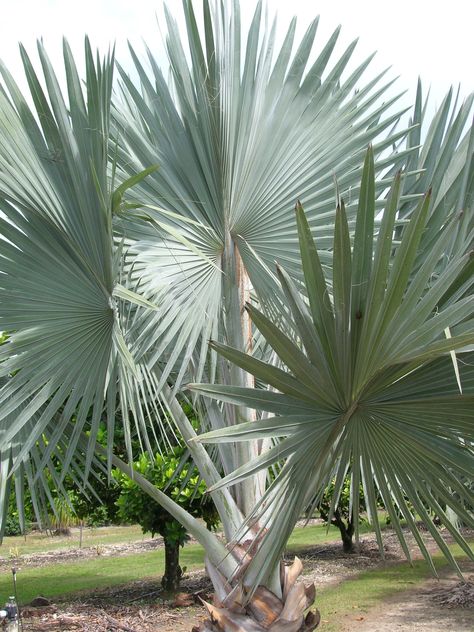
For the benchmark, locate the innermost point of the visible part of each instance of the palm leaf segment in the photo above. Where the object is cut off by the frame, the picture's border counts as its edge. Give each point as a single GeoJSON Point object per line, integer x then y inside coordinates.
{"type": "Point", "coordinates": [60, 267]}
{"type": "Point", "coordinates": [371, 387]}
{"type": "Point", "coordinates": [30, 469]}
{"type": "Point", "coordinates": [239, 132]}
{"type": "Point", "coordinates": [444, 162]}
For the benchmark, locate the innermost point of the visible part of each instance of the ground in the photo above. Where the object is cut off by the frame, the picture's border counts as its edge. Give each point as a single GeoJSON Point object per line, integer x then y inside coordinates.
{"type": "Point", "coordinates": [421, 610]}
{"type": "Point", "coordinates": [141, 606]}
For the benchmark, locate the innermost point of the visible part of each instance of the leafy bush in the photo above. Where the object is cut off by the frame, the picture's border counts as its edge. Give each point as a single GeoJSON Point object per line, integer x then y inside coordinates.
{"type": "Point", "coordinates": [184, 485]}
{"type": "Point", "coordinates": [98, 517]}
{"type": "Point", "coordinates": [12, 525]}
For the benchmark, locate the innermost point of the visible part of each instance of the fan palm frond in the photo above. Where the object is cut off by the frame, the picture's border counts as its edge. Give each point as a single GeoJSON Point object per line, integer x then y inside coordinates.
{"type": "Point", "coordinates": [370, 384]}
{"type": "Point", "coordinates": [238, 137]}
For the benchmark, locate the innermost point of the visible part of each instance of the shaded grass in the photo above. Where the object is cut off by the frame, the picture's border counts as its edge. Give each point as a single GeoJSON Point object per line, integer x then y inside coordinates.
{"type": "Point", "coordinates": [62, 579]}
{"type": "Point", "coordinates": [41, 542]}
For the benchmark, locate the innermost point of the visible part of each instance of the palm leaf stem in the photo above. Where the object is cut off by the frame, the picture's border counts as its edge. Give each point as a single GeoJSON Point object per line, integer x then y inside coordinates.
{"type": "Point", "coordinates": [227, 507]}
{"type": "Point", "coordinates": [214, 548]}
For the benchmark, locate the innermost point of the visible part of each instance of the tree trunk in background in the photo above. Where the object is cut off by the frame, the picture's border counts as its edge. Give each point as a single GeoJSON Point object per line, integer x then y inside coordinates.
{"type": "Point", "coordinates": [173, 571]}
{"type": "Point", "coordinates": [346, 530]}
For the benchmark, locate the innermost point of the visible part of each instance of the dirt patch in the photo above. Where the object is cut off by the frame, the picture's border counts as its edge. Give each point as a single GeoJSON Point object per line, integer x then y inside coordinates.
{"type": "Point", "coordinates": [427, 608]}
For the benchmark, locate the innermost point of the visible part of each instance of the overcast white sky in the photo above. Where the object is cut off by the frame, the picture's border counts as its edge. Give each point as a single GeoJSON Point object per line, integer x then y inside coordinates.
{"type": "Point", "coordinates": [432, 39]}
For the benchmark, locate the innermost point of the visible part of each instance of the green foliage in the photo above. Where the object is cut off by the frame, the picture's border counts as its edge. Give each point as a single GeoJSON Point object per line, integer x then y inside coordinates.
{"type": "Point", "coordinates": [186, 488]}
{"type": "Point", "coordinates": [12, 525]}
{"type": "Point", "coordinates": [69, 503]}
{"type": "Point", "coordinates": [12, 520]}
{"type": "Point", "coordinates": [96, 505]}
{"type": "Point", "coordinates": [341, 514]}
{"type": "Point", "coordinates": [184, 485]}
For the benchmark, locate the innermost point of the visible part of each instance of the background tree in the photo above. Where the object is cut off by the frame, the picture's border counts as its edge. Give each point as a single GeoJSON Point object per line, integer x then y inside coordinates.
{"type": "Point", "coordinates": [186, 489]}
{"type": "Point", "coordinates": [342, 515]}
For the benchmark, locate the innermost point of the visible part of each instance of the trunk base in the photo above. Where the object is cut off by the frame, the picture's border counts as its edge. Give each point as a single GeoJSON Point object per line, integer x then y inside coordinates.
{"type": "Point", "coordinates": [173, 572]}
{"type": "Point", "coordinates": [264, 612]}
{"type": "Point", "coordinates": [310, 623]}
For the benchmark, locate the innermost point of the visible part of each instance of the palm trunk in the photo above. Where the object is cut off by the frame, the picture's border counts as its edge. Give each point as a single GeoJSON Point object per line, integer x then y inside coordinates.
{"type": "Point", "coordinates": [232, 610]}
{"type": "Point", "coordinates": [238, 332]}
{"type": "Point", "coordinates": [264, 611]}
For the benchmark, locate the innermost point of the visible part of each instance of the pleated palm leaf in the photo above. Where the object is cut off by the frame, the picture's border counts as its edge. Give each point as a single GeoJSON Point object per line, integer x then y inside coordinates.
{"type": "Point", "coordinates": [370, 385]}
{"type": "Point", "coordinates": [440, 156]}
{"type": "Point", "coordinates": [240, 130]}
{"type": "Point", "coordinates": [57, 248]}
{"type": "Point", "coordinates": [67, 356]}
{"type": "Point", "coordinates": [60, 296]}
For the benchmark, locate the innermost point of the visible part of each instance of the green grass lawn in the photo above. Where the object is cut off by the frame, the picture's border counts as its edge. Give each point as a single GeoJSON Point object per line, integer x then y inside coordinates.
{"type": "Point", "coordinates": [99, 572]}
{"type": "Point", "coordinates": [62, 579]}
{"type": "Point", "coordinates": [41, 542]}
{"type": "Point", "coordinates": [36, 542]}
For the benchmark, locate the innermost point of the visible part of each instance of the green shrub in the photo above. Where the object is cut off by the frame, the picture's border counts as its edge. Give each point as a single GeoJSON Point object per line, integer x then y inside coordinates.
{"type": "Point", "coordinates": [12, 525]}
{"type": "Point", "coordinates": [184, 485]}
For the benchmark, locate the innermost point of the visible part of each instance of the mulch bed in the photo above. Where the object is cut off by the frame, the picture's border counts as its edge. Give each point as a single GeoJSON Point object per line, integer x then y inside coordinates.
{"type": "Point", "coordinates": [461, 595]}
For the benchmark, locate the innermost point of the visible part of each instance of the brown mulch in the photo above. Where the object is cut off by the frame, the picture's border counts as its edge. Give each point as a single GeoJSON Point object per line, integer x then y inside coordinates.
{"type": "Point", "coordinates": [461, 595]}
{"type": "Point", "coordinates": [140, 606]}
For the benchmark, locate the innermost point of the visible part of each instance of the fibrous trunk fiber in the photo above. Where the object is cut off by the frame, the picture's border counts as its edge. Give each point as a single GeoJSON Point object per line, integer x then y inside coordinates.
{"type": "Point", "coordinates": [264, 612]}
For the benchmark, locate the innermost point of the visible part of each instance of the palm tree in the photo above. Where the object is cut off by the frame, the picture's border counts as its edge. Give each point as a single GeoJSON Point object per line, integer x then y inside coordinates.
{"type": "Point", "coordinates": [369, 382]}
{"type": "Point", "coordinates": [112, 291]}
